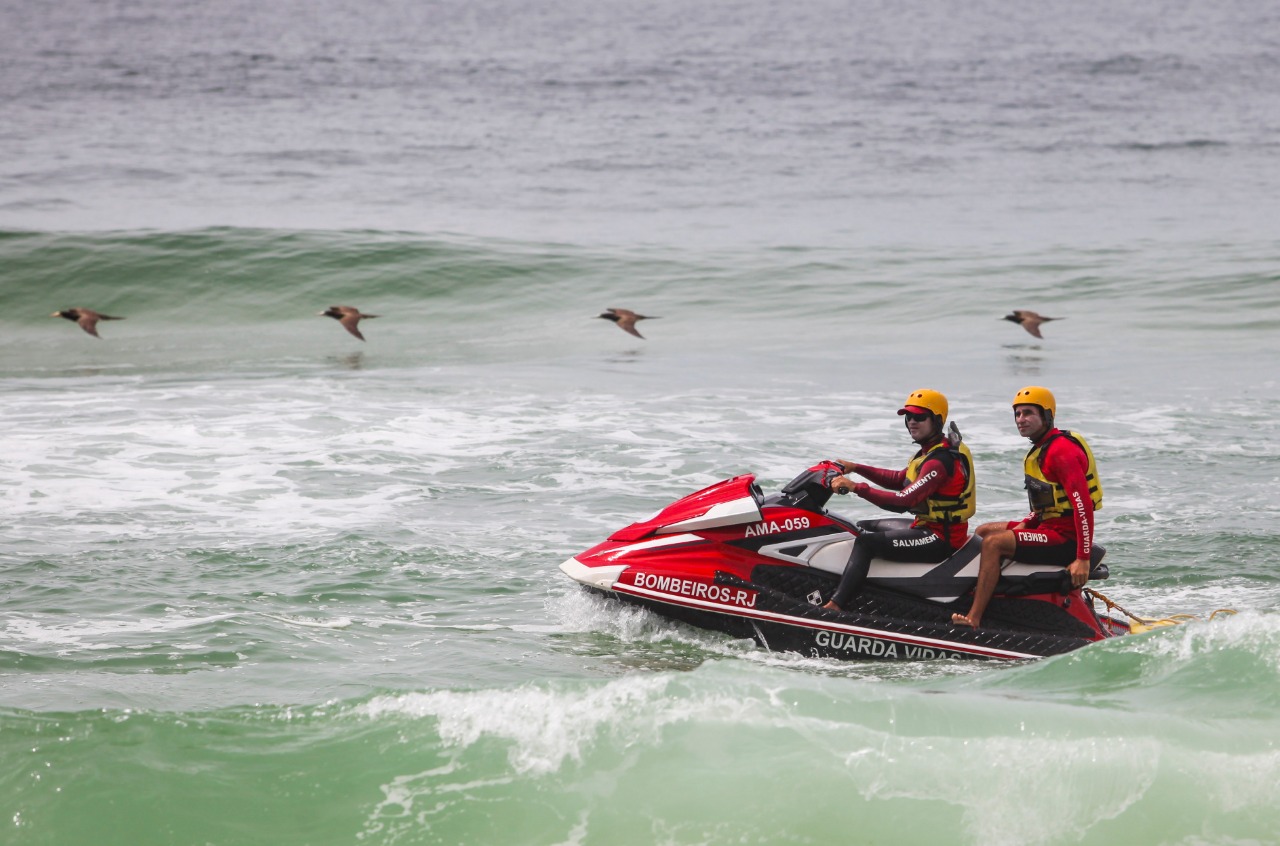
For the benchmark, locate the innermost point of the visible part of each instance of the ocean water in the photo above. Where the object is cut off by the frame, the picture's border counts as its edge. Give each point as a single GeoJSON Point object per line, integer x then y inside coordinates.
{"type": "Point", "coordinates": [266, 584]}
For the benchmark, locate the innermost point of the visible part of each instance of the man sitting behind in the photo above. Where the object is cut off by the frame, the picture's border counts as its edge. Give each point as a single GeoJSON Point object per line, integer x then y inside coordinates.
{"type": "Point", "coordinates": [1064, 491]}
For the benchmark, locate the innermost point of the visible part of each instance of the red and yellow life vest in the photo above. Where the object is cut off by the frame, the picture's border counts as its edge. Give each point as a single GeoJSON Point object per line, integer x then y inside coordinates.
{"type": "Point", "coordinates": [1048, 498]}
{"type": "Point", "coordinates": [946, 508]}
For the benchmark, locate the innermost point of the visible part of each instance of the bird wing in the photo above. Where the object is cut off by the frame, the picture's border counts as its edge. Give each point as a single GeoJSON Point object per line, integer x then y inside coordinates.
{"type": "Point", "coordinates": [350, 321]}
{"type": "Point", "coordinates": [628, 325]}
{"type": "Point", "coordinates": [1032, 326]}
{"type": "Point", "coordinates": [89, 323]}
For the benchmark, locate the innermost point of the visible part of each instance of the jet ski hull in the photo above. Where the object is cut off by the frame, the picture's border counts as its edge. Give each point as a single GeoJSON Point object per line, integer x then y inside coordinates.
{"type": "Point", "coordinates": [879, 625]}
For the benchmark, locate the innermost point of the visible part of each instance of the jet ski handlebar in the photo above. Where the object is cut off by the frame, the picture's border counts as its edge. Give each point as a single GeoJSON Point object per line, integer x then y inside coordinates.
{"type": "Point", "coordinates": [812, 488]}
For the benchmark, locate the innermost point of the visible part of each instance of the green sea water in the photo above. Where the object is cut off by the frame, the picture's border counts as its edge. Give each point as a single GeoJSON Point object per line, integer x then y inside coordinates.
{"type": "Point", "coordinates": [268, 584]}
{"type": "Point", "coordinates": [263, 583]}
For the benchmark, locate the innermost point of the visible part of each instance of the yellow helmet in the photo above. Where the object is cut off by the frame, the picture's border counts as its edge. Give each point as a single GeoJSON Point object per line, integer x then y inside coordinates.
{"type": "Point", "coordinates": [1035, 395]}
{"type": "Point", "coordinates": [926, 399]}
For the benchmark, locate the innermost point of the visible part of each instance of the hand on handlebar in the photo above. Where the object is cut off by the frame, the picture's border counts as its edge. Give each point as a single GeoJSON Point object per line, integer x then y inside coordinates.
{"type": "Point", "coordinates": [841, 485]}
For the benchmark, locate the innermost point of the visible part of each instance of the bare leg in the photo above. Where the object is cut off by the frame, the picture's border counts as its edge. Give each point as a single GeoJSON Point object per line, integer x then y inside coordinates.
{"type": "Point", "coordinates": [996, 546]}
{"type": "Point", "coordinates": [988, 528]}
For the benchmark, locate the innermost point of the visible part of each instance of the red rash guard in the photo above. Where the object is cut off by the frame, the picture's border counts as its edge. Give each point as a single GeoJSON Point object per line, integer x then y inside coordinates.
{"type": "Point", "coordinates": [900, 498]}
{"type": "Point", "coordinates": [1066, 464]}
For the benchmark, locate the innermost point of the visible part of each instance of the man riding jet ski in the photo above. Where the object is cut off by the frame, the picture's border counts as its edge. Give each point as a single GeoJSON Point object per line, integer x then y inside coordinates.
{"type": "Point", "coordinates": [937, 486]}
{"type": "Point", "coordinates": [1063, 489]}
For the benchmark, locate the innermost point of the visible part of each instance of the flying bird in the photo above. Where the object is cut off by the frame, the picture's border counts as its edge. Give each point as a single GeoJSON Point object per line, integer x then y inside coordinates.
{"type": "Point", "coordinates": [348, 316]}
{"type": "Point", "coordinates": [1028, 320]}
{"type": "Point", "coordinates": [87, 319]}
{"type": "Point", "coordinates": [626, 319]}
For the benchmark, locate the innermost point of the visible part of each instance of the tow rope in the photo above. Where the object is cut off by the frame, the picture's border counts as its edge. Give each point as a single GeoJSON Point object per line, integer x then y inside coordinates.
{"type": "Point", "coordinates": [1142, 624]}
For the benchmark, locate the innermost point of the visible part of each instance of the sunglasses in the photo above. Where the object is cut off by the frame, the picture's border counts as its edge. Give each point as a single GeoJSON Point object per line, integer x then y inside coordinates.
{"type": "Point", "coordinates": [917, 418]}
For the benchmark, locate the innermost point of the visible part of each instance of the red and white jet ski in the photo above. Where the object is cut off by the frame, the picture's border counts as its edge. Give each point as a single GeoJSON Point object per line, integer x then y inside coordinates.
{"type": "Point", "coordinates": [731, 559]}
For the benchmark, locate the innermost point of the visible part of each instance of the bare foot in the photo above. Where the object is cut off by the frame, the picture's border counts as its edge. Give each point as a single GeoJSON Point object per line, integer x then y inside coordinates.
{"type": "Point", "coordinates": [963, 620]}
{"type": "Point", "coordinates": [831, 606]}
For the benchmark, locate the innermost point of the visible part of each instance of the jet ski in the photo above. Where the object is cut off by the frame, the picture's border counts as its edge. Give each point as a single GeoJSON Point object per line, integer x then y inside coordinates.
{"type": "Point", "coordinates": [731, 559]}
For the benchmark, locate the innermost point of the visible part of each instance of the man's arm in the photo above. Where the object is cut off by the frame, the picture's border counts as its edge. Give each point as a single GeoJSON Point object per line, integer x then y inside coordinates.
{"type": "Point", "coordinates": [892, 479]}
{"type": "Point", "coordinates": [1069, 466]}
{"type": "Point", "coordinates": [933, 475]}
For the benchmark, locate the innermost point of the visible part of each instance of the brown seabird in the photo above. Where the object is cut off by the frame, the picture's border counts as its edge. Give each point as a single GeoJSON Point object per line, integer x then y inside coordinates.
{"type": "Point", "coordinates": [86, 318]}
{"type": "Point", "coordinates": [626, 319]}
{"type": "Point", "coordinates": [348, 316]}
{"type": "Point", "coordinates": [1028, 320]}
